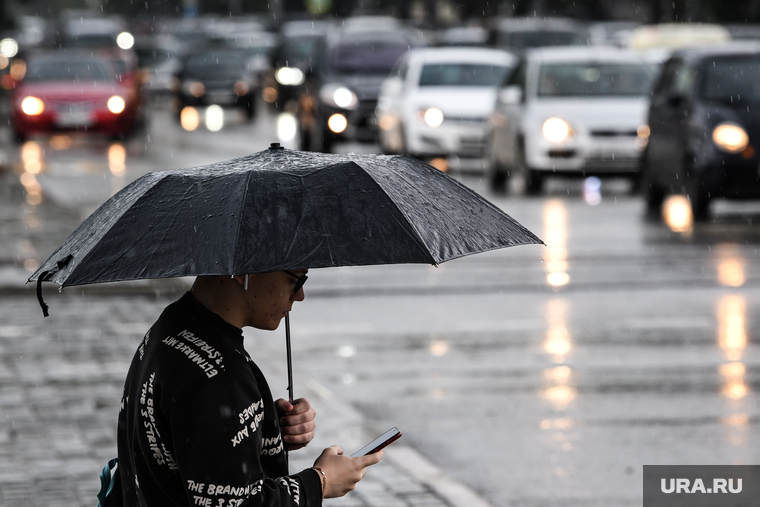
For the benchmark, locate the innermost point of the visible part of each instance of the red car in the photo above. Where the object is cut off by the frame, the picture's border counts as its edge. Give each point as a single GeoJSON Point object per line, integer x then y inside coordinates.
{"type": "Point", "coordinates": [74, 92]}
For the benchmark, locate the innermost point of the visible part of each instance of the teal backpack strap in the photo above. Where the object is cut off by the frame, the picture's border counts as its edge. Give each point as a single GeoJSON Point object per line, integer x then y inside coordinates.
{"type": "Point", "coordinates": [108, 477]}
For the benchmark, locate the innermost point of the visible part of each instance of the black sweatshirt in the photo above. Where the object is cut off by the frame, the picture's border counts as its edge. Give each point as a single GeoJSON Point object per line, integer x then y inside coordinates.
{"type": "Point", "coordinates": [197, 424]}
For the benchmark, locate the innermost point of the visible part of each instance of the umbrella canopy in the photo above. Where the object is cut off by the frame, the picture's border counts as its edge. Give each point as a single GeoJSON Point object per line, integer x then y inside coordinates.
{"type": "Point", "coordinates": [281, 209]}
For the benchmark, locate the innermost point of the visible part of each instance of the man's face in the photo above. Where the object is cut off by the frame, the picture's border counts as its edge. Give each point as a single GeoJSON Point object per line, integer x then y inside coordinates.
{"type": "Point", "coordinates": [269, 297]}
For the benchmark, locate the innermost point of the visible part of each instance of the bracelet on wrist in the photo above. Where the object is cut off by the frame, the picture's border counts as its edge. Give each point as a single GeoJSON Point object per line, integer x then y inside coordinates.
{"type": "Point", "coordinates": [322, 480]}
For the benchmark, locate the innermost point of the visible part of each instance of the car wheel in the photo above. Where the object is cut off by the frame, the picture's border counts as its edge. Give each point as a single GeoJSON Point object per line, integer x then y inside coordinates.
{"type": "Point", "coordinates": [654, 193]}
{"type": "Point", "coordinates": [250, 109]}
{"type": "Point", "coordinates": [498, 175]}
{"type": "Point", "coordinates": [534, 181]}
{"type": "Point", "coordinates": [699, 199]}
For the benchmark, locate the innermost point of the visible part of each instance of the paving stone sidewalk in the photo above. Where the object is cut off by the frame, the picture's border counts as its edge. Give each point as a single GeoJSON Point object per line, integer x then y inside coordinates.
{"type": "Point", "coordinates": [60, 385]}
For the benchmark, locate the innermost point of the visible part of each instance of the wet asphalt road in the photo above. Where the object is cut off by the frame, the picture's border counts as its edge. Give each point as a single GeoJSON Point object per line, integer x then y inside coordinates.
{"type": "Point", "coordinates": [536, 375]}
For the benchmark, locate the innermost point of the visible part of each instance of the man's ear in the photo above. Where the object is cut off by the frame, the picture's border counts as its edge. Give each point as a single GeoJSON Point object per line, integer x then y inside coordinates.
{"type": "Point", "coordinates": [241, 280]}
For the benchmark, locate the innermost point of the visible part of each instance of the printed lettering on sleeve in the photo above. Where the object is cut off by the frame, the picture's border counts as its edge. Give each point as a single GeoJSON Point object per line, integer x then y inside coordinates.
{"type": "Point", "coordinates": [161, 454]}
{"type": "Point", "coordinates": [143, 343]}
{"type": "Point", "coordinates": [222, 495]}
{"type": "Point", "coordinates": [198, 351]}
{"type": "Point", "coordinates": [250, 419]}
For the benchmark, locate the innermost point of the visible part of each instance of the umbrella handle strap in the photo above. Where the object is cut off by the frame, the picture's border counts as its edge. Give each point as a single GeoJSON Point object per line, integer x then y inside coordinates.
{"type": "Point", "coordinates": [43, 305]}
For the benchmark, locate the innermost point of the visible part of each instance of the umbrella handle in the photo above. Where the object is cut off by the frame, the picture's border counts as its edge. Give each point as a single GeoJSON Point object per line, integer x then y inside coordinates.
{"type": "Point", "coordinates": [290, 358]}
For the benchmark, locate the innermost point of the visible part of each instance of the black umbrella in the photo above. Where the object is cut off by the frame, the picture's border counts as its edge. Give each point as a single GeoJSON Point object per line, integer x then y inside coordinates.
{"type": "Point", "coordinates": [280, 209]}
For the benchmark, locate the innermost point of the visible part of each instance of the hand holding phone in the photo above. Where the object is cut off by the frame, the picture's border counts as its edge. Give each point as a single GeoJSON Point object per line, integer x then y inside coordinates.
{"type": "Point", "coordinates": [380, 442]}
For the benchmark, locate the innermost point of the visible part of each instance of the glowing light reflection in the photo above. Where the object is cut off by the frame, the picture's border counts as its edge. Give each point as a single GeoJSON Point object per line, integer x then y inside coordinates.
{"type": "Point", "coordinates": [214, 118]}
{"type": "Point", "coordinates": [439, 348]}
{"type": "Point", "coordinates": [555, 235]}
{"type": "Point", "coordinates": [730, 266]}
{"type": "Point", "coordinates": [117, 157]}
{"type": "Point", "coordinates": [676, 212]}
{"type": "Point", "coordinates": [287, 127]}
{"type": "Point", "coordinates": [189, 119]}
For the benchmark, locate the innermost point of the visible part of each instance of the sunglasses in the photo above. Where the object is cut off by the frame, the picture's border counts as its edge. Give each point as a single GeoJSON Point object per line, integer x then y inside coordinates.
{"type": "Point", "coordinates": [300, 280]}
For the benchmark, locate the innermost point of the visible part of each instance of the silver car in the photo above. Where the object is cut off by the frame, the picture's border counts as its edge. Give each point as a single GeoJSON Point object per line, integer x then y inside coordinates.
{"type": "Point", "coordinates": [438, 102]}
{"type": "Point", "coordinates": [572, 111]}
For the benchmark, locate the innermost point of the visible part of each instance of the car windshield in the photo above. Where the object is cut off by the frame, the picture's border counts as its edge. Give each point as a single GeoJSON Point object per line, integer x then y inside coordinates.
{"type": "Point", "coordinates": [62, 70]}
{"type": "Point", "coordinates": [210, 65]}
{"type": "Point", "coordinates": [732, 80]}
{"type": "Point", "coordinates": [461, 74]}
{"type": "Point", "coordinates": [594, 79]}
{"type": "Point", "coordinates": [367, 57]}
{"type": "Point", "coordinates": [153, 57]}
{"type": "Point", "coordinates": [538, 38]}
{"type": "Point", "coordinates": [298, 49]}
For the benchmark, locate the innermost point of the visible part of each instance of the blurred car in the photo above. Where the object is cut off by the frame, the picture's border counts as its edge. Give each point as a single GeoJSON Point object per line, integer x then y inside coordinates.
{"type": "Point", "coordinates": [221, 77]}
{"type": "Point", "coordinates": [84, 29]}
{"type": "Point", "coordinates": [301, 46]}
{"type": "Point", "coordinates": [677, 35]}
{"type": "Point", "coordinates": [72, 91]}
{"type": "Point", "coordinates": [614, 33]}
{"type": "Point", "coordinates": [159, 59]}
{"type": "Point", "coordinates": [704, 123]}
{"type": "Point", "coordinates": [440, 100]}
{"type": "Point", "coordinates": [572, 111]}
{"type": "Point", "coordinates": [519, 34]}
{"type": "Point", "coordinates": [347, 84]}
{"type": "Point", "coordinates": [463, 36]}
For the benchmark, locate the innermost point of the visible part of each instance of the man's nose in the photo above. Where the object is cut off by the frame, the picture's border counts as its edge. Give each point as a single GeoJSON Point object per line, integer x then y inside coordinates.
{"type": "Point", "coordinates": [298, 296]}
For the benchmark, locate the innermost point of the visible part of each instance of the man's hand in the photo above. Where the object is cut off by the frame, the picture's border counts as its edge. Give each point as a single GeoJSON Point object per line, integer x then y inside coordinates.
{"type": "Point", "coordinates": [343, 472]}
{"type": "Point", "coordinates": [296, 422]}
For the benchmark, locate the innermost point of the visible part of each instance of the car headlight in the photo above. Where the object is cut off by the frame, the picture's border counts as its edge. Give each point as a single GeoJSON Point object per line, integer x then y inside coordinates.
{"type": "Point", "coordinates": [32, 106]}
{"type": "Point", "coordinates": [289, 76]}
{"type": "Point", "coordinates": [432, 116]}
{"type": "Point", "coordinates": [194, 88]}
{"type": "Point", "coordinates": [116, 104]}
{"type": "Point", "coordinates": [730, 137]}
{"type": "Point", "coordinates": [338, 95]}
{"type": "Point", "coordinates": [556, 130]}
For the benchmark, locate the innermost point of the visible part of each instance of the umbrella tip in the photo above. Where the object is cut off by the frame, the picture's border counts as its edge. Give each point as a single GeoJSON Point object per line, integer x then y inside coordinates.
{"type": "Point", "coordinates": [276, 146]}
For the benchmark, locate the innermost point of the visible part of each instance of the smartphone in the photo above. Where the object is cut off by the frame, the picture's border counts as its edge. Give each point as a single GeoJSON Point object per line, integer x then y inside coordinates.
{"type": "Point", "coordinates": [383, 440]}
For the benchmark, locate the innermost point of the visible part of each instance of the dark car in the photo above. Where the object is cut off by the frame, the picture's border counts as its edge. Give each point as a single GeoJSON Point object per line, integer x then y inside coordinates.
{"type": "Point", "coordinates": [704, 128]}
{"type": "Point", "coordinates": [347, 86]}
{"type": "Point", "coordinates": [301, 45]}
{"type": "Point", "coordinates": [220, 77]}
{"type": "Point", "coordinates": [519, 34]}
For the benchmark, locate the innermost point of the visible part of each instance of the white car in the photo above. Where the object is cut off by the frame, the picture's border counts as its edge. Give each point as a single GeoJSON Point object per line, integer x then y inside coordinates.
{"type": "Point", "coordinates": [576, 111]}
{"type": "Point", "coordinates": [438, 101]}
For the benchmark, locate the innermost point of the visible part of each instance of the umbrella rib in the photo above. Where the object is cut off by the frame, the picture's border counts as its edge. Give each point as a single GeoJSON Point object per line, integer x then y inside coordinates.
{"type": "Point", "coordinates": [240, 224]}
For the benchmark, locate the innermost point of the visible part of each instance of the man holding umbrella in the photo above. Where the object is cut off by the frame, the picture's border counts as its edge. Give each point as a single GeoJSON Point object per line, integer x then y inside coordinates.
{"type": "Point", "coordinates": [198, 425]}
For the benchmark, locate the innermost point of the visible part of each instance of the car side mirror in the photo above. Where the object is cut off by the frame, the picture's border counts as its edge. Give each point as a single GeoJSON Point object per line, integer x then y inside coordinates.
{"type": "Point", "coordinates": [511, 95]}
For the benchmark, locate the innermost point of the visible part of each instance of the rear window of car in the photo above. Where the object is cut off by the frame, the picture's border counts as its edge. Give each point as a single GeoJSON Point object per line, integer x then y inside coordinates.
{"type": "Point", "coordinates": [367, 57]}
{"type": "Point", "coordinates": [732, 80]}
{"type": "Point", "coordinates": [62, 70]}
{"type": "Point", "coordinates": [588, 80]}
{"type": "Point", "coordinates": [462, 74]}
{"type": "Point", "coordinates": [211, 65]}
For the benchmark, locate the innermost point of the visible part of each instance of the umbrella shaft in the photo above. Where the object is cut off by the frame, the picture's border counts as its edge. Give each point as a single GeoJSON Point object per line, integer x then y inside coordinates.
{"type": "Point", "coordinates": [290, 358]}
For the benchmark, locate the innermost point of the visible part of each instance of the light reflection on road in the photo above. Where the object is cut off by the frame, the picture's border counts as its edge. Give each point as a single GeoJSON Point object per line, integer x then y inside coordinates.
{"type": "Point", "coordinates": [558, 345]}
{"type": "Point", "coordinates": [730, 266]}
{"type": "Point", "coordinates": [555, 237]}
